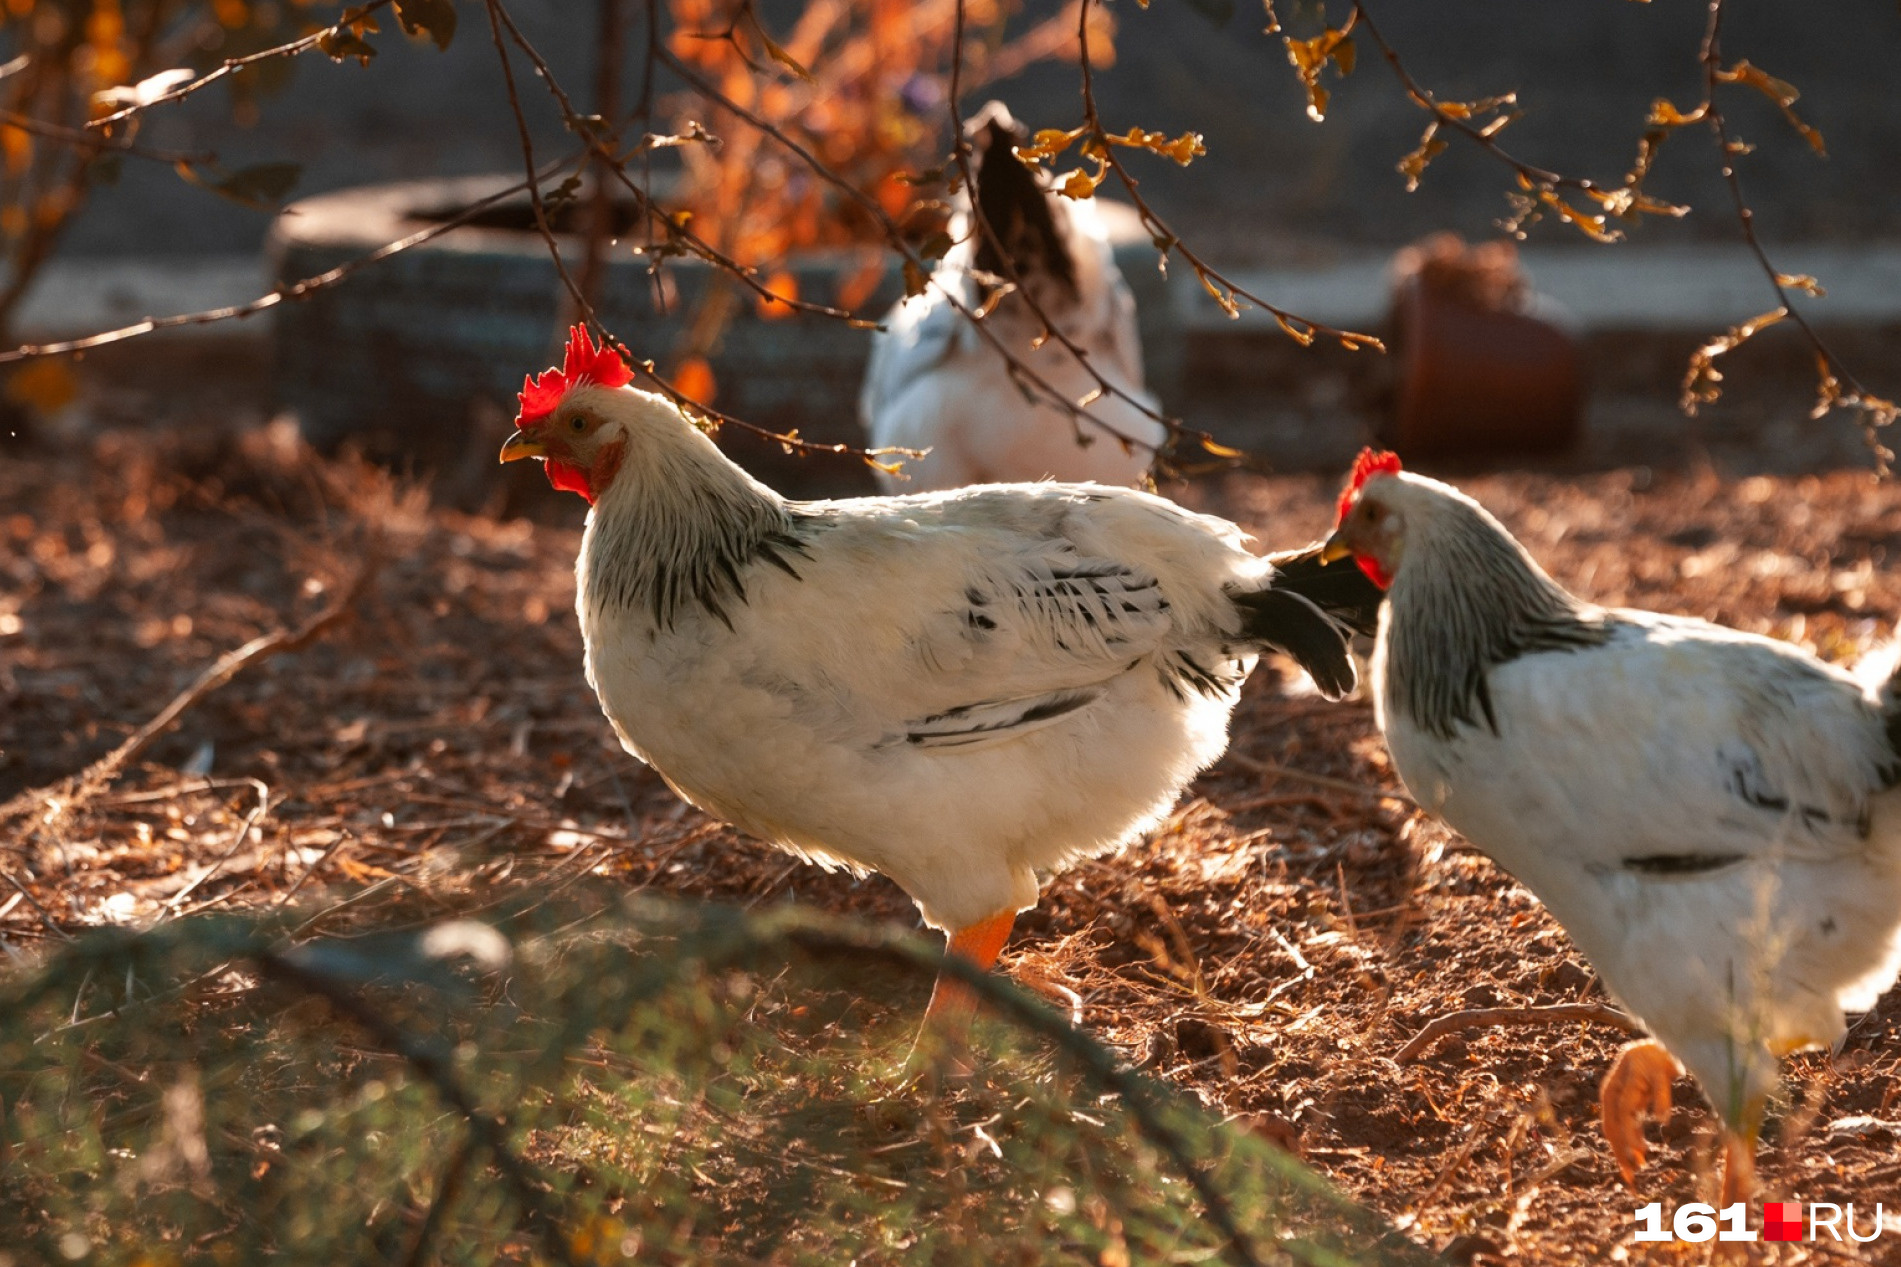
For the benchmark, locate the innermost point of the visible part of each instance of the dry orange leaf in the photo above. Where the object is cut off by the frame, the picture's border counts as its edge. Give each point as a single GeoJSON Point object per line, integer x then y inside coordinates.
{"type": "Point", "coordinates": [784, 286]}
{"type": "Point", "coordinates": [1078, 184]}
{"type": "Point", "coordinates": [694, 380]}
{"type": "Point", "coordinates": [1310, 57]}
{"type": "Point", "coordinates": [1702, 381]}
{"type": "Point", "coordinates": [18, 148]}
{"type": "Point", "coordinates": [859, 286]}
{"type": "Point", "coordinates": [1780, 91]}
{"type": "Point", "coordinates": [44, 386]}
{"type": "Point", "coordinates": [1664, 114]}
{"type": "Point", "coordinates": [1413, 166]}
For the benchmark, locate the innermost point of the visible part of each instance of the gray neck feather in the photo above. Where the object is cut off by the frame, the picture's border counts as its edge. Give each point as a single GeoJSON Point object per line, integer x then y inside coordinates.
{"type": "Point", "coordinates": [676, 530]}
{"type": "Point", "coordinates": [1466, 599]}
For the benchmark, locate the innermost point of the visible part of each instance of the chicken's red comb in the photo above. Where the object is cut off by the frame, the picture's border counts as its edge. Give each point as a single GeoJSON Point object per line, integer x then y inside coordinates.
{"type": "Point", "coordinates": [585, 365]}
{"type": "Point", "coordinates": [1365, 467]}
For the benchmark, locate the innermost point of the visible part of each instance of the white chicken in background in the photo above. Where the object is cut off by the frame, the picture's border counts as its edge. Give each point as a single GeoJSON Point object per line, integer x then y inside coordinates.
{"type": "Point", "coordinates": [935, 383]}
{"type": "Point", "coordinates": [954, 689]}
{"type": "Point", "coordinates": [1711, 815]}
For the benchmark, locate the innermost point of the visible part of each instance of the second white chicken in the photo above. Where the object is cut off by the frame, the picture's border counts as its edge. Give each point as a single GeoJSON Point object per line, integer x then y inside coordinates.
{"type": "Point", "coordinates": [936, 383]}
{"type": "Point", "coordinates": [1713, 816]}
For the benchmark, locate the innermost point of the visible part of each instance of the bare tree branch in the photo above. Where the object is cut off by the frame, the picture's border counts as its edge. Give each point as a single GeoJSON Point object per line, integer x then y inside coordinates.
{"type": "Point", "coordinates": [1836, 387]}
{"type": "Point", "coordinates": [980, 223]}
{"type": "Point", "coordinates": [296, 290]}
{"type": "Point", "coordinates": [1302, 329]}
{"type": "Point", "coordinates": [1484, 1017]}
{"type": "Point", "coordinates": [221, 671]}
{"type": "Point", "coordinates": [895, 238]}
{"type": "Point", "coordinates": [581, 302]}
{"type": "Point", "coordinates": [600, 222]}
{"type": "Point", "coordinates": [95, 144]}
{"type": "Point", "coordinates": [585, 308]}
{"type": "Point", "coordinates": [1874, 411]}
{"type": "Point", "coordinates": [614, 163]}
{"type": "Point", "coordinates": [232, 65]}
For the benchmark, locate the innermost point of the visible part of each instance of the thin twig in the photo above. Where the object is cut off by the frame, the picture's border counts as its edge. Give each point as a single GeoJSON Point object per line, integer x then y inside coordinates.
{"type": "Point", "coordinates": [343, 838]}
{"type": "Point", "coordinates": [1463, 124]}
{"type": "Point", "coordinates": [231, 65]}
{"type": "Point", "coordinates": [297, 290]}
{"type": "Point", "coordinates": [1484, 1017]}
{"type": "Point", "coordinates": [497, 15]}
{"type": "Point", "coordinates": [980, 222]}
{"type": "Point", "coordinates": [95, 144]}
{"type": "Point", "coordinates": [1307, 776]}
{"type": "Point", "coordinates": [600, 225]}
{"type": "Point", "coordinates": [1876, 412]}
{"type": "Point", "coordinates": [499, 18]}
{"type": "Point", "coordinates": [244, 832]}
{"type": "Point", "coordinates": [198, 788]}
{"type": "Point", "coordinates": [1628, 200]}
{"type": "Point", "coordinates": [221, 671]}
{"type": "Point", "coordinates": [581, 302]}
{"type": "Point", "coordinates": [1475, 1132]}
{"type": "Point", "coordinates": [363, 894]}
{"type": "Point", "coordinates": [614, 163]}
{"type": "Point", "coordinates": [1301, 329]}
{"type": "Point", "coordinates": [895, 239]}
{"type": "Point", "coordinates": [45, 916]}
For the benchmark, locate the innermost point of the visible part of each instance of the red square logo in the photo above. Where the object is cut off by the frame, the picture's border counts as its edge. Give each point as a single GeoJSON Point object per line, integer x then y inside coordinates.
{"type": "Point", "coordinates": [1781, 1220]}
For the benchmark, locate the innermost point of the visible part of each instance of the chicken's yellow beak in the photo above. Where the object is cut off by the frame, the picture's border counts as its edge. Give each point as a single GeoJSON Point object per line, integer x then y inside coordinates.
{"type": "Point", "coordinates": [522, 445]}
{"type": "Point", "coordinates": [1333, 551]}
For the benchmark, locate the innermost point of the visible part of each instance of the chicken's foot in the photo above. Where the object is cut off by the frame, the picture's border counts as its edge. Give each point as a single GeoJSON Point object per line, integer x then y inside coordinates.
{"type": "Point", "coordinates": [1638, 1083]}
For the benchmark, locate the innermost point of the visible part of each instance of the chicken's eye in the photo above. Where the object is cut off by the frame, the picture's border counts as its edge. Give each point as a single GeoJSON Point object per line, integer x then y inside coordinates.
{"type": "Point", "coordinates": [577, 423]}
{"type": "Point", "coordinates": [1373, 511]}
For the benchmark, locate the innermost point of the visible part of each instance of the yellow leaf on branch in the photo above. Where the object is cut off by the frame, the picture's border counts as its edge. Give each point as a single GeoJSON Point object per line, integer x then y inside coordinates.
{"type": "Point", "coordinates": [45, 386]}
{"type": "Point", "coordinates": [1079, 184]}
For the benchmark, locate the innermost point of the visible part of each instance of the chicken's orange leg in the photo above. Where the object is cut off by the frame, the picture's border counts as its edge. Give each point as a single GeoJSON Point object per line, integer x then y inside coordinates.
{"type": "Point", "coordinates": [952, 1002]}
{"type": "Point", "coordinates": [1638, 1082]}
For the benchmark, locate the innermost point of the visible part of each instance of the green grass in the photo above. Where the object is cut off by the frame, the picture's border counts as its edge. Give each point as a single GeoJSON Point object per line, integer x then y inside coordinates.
{"type": "Point", "coordinates": [660, 1084]}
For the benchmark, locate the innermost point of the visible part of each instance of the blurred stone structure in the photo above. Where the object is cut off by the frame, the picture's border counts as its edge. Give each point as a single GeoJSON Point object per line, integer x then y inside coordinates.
{"type": "Point", "coordinates": [1274, 184]}
{"type": "Point", "coordinates": [1305, 213]}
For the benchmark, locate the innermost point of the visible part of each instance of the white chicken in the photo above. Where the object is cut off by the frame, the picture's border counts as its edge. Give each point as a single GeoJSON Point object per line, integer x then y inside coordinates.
{"type": "Point", "coordinates": [1711, 815]}
{"type": "Point", "coordinates": [954, 689]}
{"type": "Point", "coordinates": [935, 383]}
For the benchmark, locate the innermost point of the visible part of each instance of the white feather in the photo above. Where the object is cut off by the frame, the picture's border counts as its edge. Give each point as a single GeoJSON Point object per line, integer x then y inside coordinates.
{"type": "Point", "coordinates": [956, 689]}
{"type": "Point", "coordinates": [1670, 739]}
{"type": "Point", "coordinates": [935, 383]}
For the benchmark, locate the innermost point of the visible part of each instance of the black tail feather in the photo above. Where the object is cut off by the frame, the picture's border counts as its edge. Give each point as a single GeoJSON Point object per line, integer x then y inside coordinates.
{"type": "Point", "coordinates": [1340, 589]}
{"type": "Point", "coordinates": [1017, 208]}
{"type": "Point", "coordinates": [1288, 621]}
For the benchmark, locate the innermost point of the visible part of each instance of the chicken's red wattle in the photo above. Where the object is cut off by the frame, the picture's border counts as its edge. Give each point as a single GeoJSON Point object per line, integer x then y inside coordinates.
{"type": "Point", "coordinates": [569, 478]}
{"type": "Point", "coordinates": [1374, 572]}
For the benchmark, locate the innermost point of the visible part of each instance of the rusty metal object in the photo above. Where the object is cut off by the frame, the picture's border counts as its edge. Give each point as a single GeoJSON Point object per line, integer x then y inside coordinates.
{"type": "Point", "coordinates": [1480, 372]}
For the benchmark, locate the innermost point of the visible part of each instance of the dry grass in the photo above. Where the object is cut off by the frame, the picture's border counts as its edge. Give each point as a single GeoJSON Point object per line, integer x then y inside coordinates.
{"type": "Point", "coordinates": [1268, 950]}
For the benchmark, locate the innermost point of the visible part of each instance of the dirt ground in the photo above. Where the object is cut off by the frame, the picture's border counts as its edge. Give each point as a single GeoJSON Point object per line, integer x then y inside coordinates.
{"type": "Point", "coordinates": [1269, 949]}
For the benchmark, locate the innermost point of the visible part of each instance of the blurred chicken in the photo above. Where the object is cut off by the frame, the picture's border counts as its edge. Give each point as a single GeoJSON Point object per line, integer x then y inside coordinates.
{"type": "Point", "coordinates": [954, 689]}
{"type": "Point", "coordinates": [935, 383]}
{"type": "Point", "coordinates": [1711, 815]}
